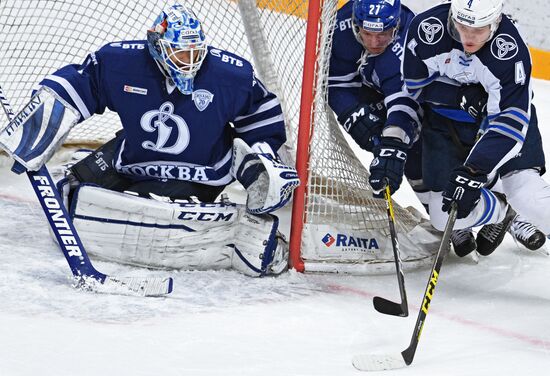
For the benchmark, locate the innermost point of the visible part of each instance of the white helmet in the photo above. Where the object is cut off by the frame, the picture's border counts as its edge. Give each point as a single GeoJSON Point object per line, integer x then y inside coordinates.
{"type": "Point", "coordinates": [477, 13]}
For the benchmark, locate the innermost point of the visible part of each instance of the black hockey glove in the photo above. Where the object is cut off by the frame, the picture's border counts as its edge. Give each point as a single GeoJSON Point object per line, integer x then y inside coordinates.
{"type": "Point", "coordinates": [464, 188]}
{"type": "Point", "coordinates": [473, 99]}
{"type": "Point", "coordinates": [362, 124]}
{"type": "Point", "coordinates": [388, 165]}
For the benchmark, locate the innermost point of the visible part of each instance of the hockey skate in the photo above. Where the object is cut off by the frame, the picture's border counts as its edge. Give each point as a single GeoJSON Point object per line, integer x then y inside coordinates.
{"type": "Point", "coordinates": [490, 236]}
{"type": "Point", "coordinates": [526, 234]}
{"type": "Point", "coordinates": [463, 242]}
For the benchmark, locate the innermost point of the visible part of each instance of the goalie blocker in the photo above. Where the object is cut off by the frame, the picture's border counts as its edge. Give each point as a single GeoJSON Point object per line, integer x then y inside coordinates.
{"type": "Point", "coordinates": [36, 133]}
{"type": "Point", "coordinates": [150, 233]}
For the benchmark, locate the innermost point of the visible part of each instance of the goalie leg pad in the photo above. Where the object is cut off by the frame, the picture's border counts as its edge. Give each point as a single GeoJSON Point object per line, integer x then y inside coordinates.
{"type": "Point", "coordinates": [145, 232]}
{"type": "Point", "coordinates": [259, 247]}
{"type": "Point", "coordinates": [38, 130]}
{"type": "Point", "coordinates": [171, 235]}
{"type": "Point", "coordinates": [268, 182]}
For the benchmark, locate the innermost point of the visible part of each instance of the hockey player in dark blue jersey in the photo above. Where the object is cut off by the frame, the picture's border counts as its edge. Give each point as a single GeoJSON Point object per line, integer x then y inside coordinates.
{"type": "Point", "coordinates": [458, 47]}
{"type": "Point", "coordinates": [195, 118]}
{"type": "Point", "coordinates": [365, 84]}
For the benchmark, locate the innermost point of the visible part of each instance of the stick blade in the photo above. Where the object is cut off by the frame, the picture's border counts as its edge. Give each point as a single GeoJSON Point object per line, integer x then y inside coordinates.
{"type": "Point", "coordinates": [378, 362]}
{"type": "Point", "coordinates": [134, 286]}
{"type": "Point", "coordinates": [388, 307]}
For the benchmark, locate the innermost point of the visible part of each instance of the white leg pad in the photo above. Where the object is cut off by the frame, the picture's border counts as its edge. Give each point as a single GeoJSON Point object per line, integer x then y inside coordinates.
{"type": "Point", "coordinates": [259, 247]}
{"type": "Point", "coordinates": [192, 236]}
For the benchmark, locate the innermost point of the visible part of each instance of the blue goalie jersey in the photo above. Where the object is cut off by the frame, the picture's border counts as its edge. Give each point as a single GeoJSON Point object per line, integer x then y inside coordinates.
{"type": "Point", "coordinates": [168, 135]}
{"type": "Point", "coordinates": [502, 66]}
{"type": "Point", "coordinates": [352, 71]}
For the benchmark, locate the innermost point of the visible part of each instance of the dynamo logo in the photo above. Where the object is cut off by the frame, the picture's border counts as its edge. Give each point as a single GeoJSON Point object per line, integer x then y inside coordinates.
{"type": "Point", "coordinates": [163, 122]}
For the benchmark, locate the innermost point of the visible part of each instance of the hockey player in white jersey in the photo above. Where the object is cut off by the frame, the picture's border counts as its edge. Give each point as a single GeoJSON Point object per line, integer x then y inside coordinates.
{"type": "Point", "coordinates": [195, 118]}
{"type": "Point", "coordinates": [461, 44]}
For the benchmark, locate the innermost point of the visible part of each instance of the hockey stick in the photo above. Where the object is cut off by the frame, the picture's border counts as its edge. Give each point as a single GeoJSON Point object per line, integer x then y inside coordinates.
{"type": "Point", "coordinates": [86, 276]}
{"type": "Point", "coordinates": [380, 362]}
{"type": "Point", "coordinates": [383, 305]}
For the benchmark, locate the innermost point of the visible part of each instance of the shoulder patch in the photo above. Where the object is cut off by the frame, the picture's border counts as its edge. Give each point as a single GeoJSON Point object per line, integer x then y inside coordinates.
{"type": "Point", "coordinates": [504, 47]}
{"type": "Point", "coordinates": [202, 98]}
{"type": "Point", "coordinates": [431, 30]}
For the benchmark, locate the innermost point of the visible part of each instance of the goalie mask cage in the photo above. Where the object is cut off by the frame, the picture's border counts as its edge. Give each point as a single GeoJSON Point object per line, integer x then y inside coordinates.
{"type": "Point", "coordinates": [336, 224]}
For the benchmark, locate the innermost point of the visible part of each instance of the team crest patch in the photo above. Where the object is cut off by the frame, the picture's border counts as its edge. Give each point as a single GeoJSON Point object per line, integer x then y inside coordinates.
{"type": "Point", "coordinates": [504, 47]}
{"type": "Point", "coordinates": [202, 98]}
{"type": "Point", "coordinates": [430, 31]}
{"type": "Point", "coordinates": [135, 90]}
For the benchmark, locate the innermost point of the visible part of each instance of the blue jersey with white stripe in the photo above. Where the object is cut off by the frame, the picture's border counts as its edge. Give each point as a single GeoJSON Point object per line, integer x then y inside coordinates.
{"type": "Point", "coordinates": [168, 135]}
{"type": "Point", "coordinates": [502, 66]}
{"type": "Point", "coordinates": [353, 70]}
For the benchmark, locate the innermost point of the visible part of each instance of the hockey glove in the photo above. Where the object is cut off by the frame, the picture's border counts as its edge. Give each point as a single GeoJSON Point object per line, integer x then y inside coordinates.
{"type": "Point", "coordinates": [268, 182]}
{"type": "Point", "coordinates": [473, 100]}
{"type": "Point", "coordinates": [388, 165]}
{"type": "Point", "coordinates": [464, 188]}
{"type": "Point", "coordinates": [362, 124]}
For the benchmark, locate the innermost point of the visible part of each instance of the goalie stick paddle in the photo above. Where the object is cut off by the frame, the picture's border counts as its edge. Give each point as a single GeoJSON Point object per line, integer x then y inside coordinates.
{"type": "Point", "coordinates": [86, 276]}
{"type": "Point", "coordinates": [381, 362]}
{"type": "Point", "coordinates": [383, 305]}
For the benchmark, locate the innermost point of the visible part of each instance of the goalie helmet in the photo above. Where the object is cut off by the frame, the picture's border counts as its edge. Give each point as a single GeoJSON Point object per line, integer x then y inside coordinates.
{"type": "Point", "coordinates": [177, 42]}
{"type": "Point", "coordinates": [376, 16]}
{"type": "Point", "coordinates": [475, 14]}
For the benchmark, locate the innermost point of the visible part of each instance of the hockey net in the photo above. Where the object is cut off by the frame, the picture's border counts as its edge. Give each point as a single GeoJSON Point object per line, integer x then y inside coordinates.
{"type": "Point", "coordinates": [337, 226]}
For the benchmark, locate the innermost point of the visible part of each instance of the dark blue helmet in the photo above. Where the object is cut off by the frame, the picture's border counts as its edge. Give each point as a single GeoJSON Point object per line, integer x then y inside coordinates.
{"type": "Point", "coordinates": [376, 15]}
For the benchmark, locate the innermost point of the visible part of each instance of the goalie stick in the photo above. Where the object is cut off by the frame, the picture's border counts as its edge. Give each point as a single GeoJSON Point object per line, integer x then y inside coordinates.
{"type": "Point", "coordinates": [383, 305]}
{"type": "Point", "coordinates": [86, 276]}
{"type": "Point", "coordinates": [381, 362]}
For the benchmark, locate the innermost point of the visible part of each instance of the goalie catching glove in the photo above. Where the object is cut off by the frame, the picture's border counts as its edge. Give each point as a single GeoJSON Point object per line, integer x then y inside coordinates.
{"type": "Point", "coordinates": [268, 182]}
{"type": "Point", "coordinates": [36, 132]}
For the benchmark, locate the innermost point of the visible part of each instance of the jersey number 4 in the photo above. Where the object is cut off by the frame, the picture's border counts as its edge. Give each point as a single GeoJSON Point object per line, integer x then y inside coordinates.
{"type": "Point", "coordinates": [520, 73]}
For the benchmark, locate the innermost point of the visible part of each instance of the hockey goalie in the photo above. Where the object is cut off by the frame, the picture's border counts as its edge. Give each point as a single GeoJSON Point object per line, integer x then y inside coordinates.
{"type": "Point", "coordinates": [195, 118]}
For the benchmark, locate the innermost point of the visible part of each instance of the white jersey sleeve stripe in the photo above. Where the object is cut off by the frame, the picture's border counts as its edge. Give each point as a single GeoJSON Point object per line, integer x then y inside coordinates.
{"type": "Point", "coordinates": [259, 124]}
{"type": "Point", "coordinates": [507, 131]}
{"type": "Point", "coordinates": [401, 94]}
{"type": "Point", "coordinates": [347, 77]}
{"type": "Point", "coordinates": [72, 93]}
{"type": "Point", "coordinates": [351, 84]}
{"type": "Point", "coordinates": [263, 108]}
{"type": "Point", "coordinates": [406, 109]}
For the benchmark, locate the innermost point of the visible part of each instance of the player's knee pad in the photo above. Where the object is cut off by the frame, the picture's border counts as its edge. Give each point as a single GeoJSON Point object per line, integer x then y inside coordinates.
{"type": "Point", "coordinates": [268, 182]}
{"type": "Point", "coordinates": [173, 235]}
